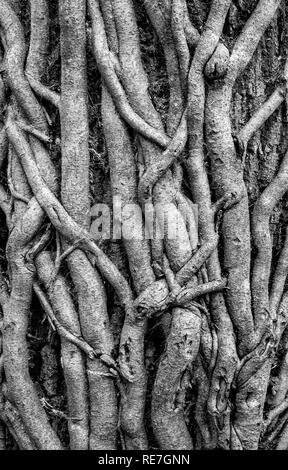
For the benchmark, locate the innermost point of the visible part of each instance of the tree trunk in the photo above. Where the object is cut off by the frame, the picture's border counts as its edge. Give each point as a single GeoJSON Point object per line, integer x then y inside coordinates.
{"type": "Point", "coordinates": [144, 248]}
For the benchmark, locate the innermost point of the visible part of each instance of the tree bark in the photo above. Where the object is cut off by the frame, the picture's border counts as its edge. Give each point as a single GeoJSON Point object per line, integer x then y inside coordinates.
{"type": "Point", "coordinates": [143, 236]}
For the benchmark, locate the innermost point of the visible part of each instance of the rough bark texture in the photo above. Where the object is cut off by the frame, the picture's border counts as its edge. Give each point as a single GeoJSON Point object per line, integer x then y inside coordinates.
{"type": "Point", "coordinates": [171, 116]}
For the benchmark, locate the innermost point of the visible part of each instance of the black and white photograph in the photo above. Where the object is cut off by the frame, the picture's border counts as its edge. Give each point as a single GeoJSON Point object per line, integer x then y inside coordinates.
{"type": "Point", "coordinates": [143, 229]}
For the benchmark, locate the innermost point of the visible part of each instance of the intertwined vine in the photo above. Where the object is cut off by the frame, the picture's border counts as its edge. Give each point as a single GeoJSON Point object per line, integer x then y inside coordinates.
{"type": "Point", "coordinates": [223, 315]}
